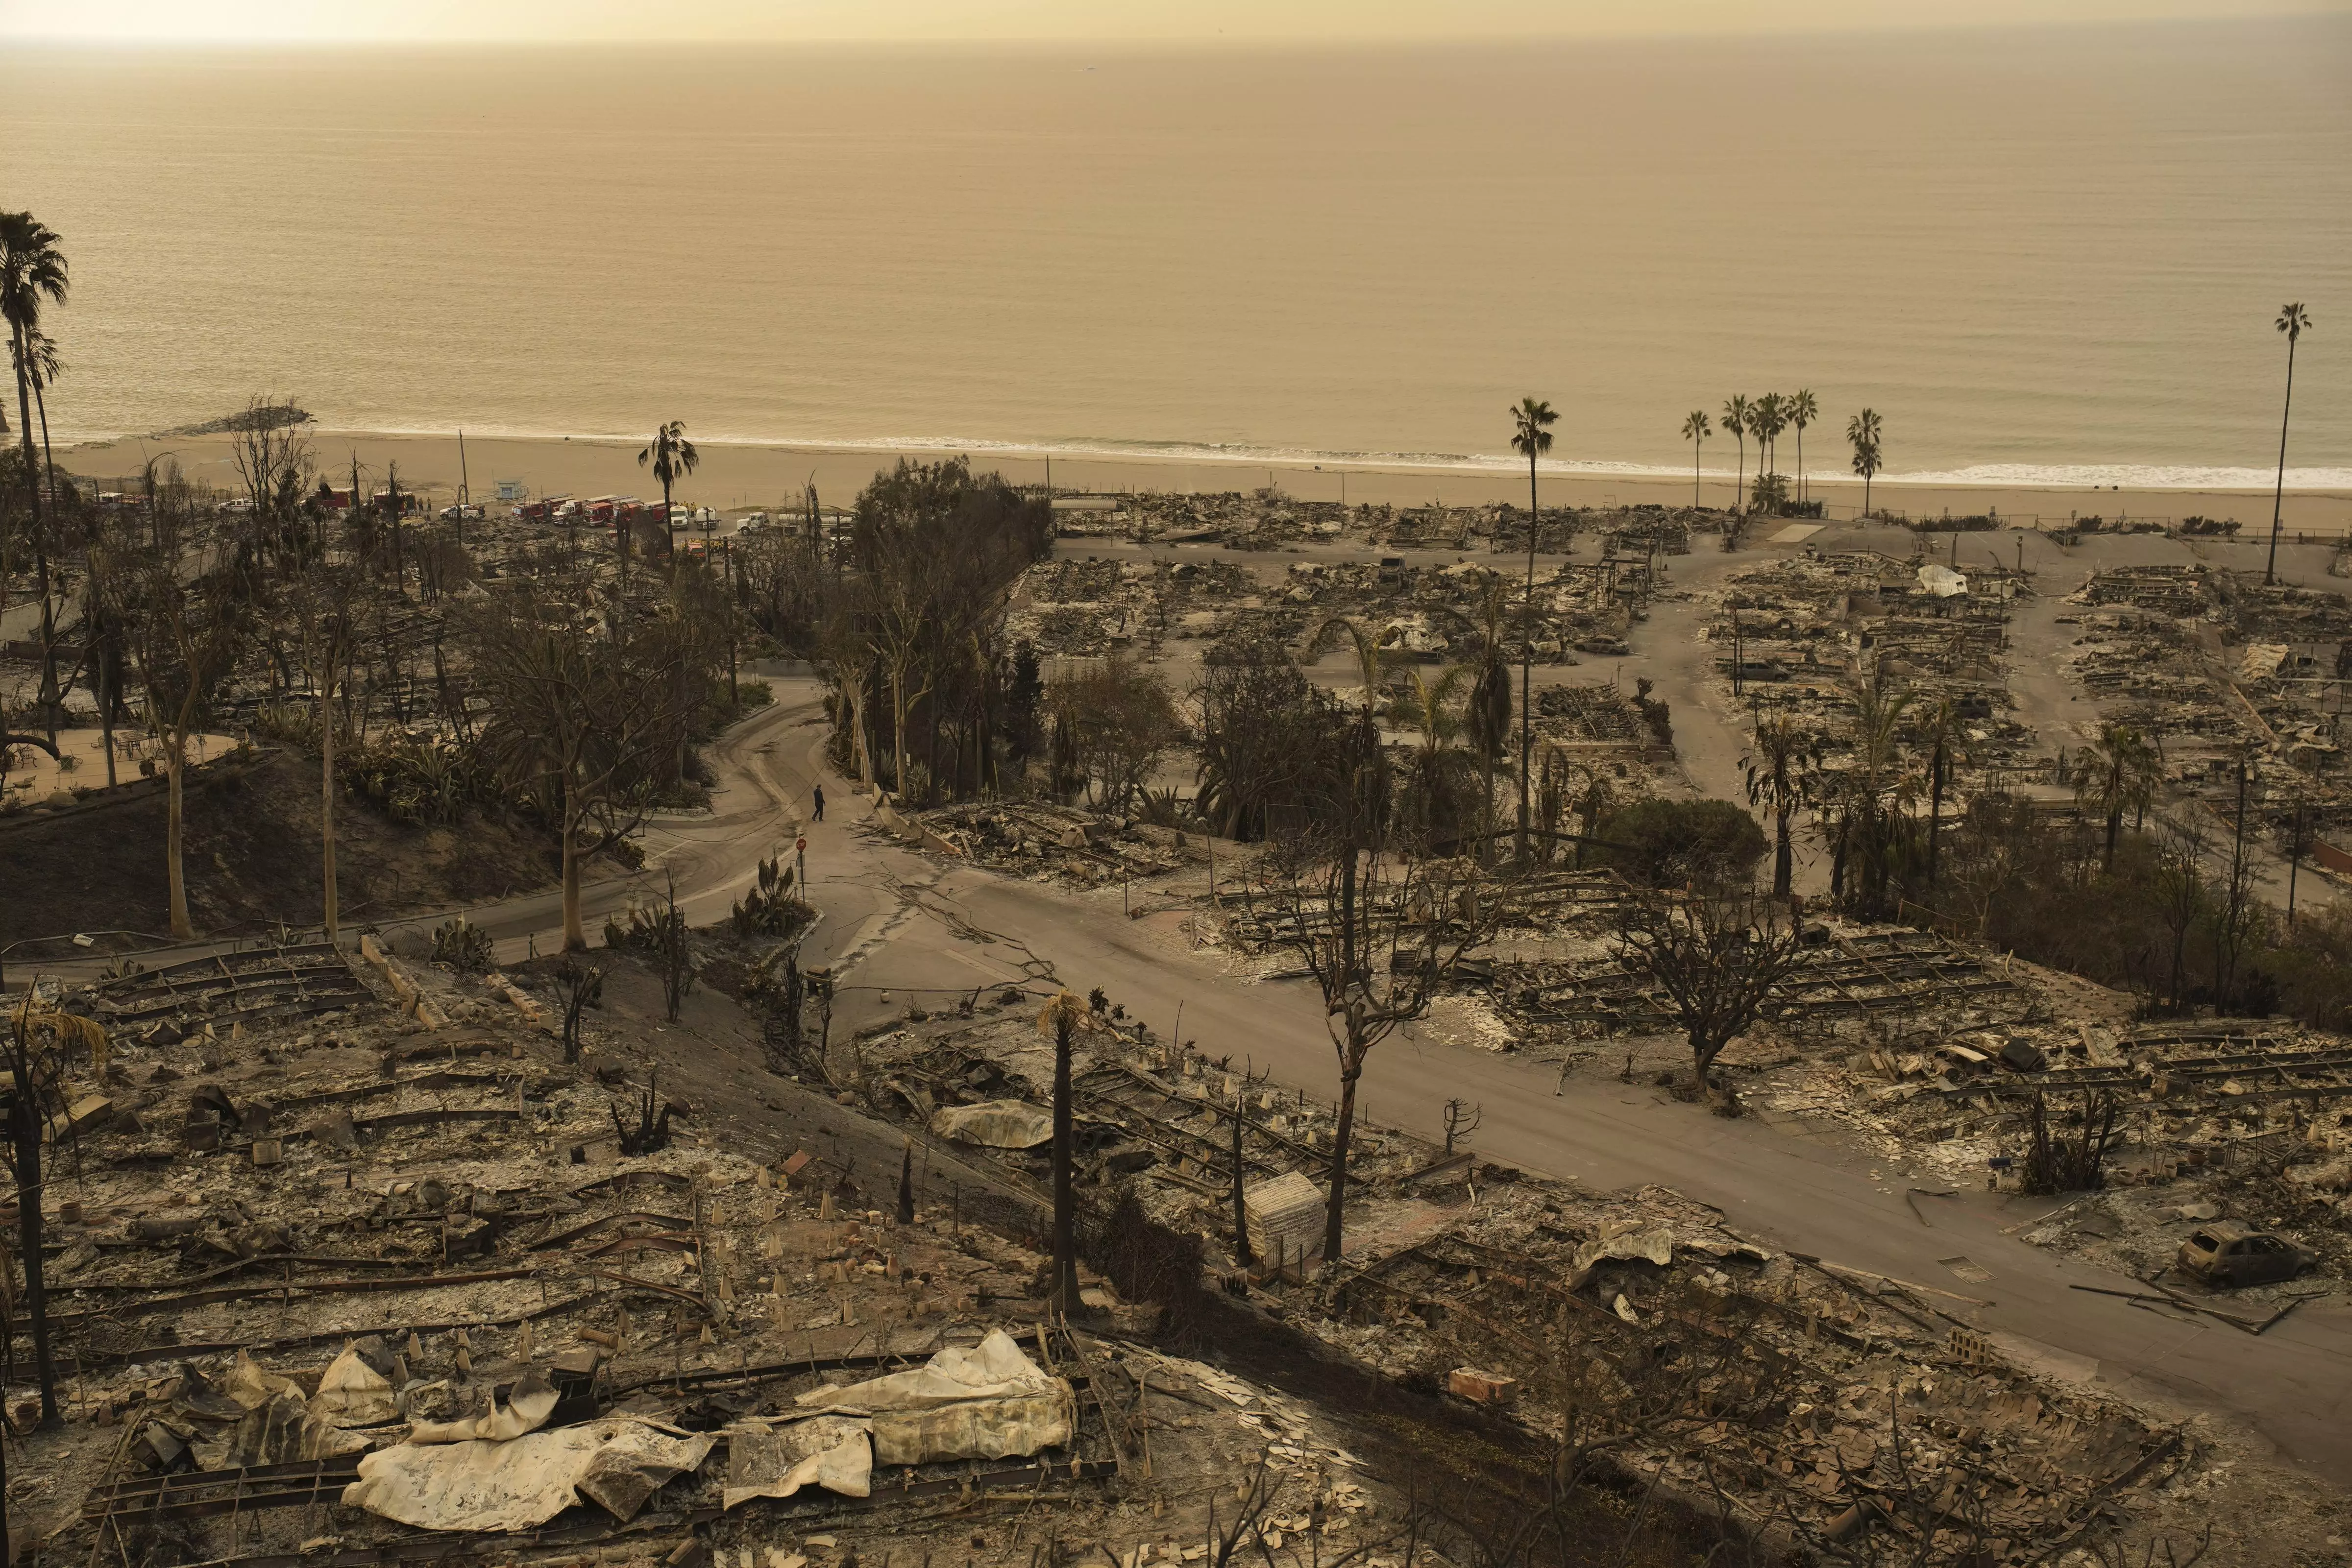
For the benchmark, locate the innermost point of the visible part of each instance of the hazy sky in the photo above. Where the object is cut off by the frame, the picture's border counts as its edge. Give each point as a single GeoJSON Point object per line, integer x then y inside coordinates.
{"type": "Point", "coordinates": [240, 21]}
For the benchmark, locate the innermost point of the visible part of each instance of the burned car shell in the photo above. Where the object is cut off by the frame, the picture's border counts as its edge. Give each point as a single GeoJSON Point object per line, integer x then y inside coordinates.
{"type": "Point", "coordinates": [2230, 1256]}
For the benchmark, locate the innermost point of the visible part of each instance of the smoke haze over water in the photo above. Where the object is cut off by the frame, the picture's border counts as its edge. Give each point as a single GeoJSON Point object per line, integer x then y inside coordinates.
{"type": "Point", "coordinates": [2048, 255]}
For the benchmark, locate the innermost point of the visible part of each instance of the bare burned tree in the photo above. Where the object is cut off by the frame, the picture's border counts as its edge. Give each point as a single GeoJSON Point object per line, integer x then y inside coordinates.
{"type": "Point", "coordinates": [186, 636]}
{"type": "Point", "coordinates": [785, 1038]}
{"type": "Point", "coordinates": [674, 951]}
{"type": "Point", "coordinates": [577, 721]}
{"type": "Point", "coordinates": [324, 599]}
{"type": "Point", "coordinates": [1242, 1254]}
{"type": "Point", "coordinates": [2056, 1163]}
{"type": "Point", "coordinates": [1717, 963]}
{"type": "Point", "coordinates": [36, 1104]}
{"type": "Point", "coordinates": [651, 1133]}
{"type": "Point", "coordinates": [1378, 931]}
{"type": "Point", "coordinates": [582, 987]}
{"type": "Point", "coordinates": [1462, 1119]}
{"type": "Point", "coordinates": [273, 464]}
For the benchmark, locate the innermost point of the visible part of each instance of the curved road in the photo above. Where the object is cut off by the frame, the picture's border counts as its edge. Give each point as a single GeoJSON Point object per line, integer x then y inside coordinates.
{"type": "Point", "coordinates": [899, 925]}
{"type": "Point", "coordinates": [904, 926]}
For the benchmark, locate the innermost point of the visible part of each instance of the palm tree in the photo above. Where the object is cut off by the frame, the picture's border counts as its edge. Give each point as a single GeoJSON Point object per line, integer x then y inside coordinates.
{"type": "Point", "coordinates": [1735, 414]}
{"type": "Point", "coordinates": [1696, 430]}
{"type": "Point", "coordinates": [2119, 775]}
{"type": "Point", "coordinates": [47, 367]}
{"type": "Point", "coordinates": [1368, 801]}
{"type": "Point", "coordinates": [1768, 423]}
{"type": "Point", "coordinates": [1428, 708]}
{"type": "Point", "coordinates": [1531, 423]}
{"type": "Point", "coordinates": [33, 270]}
{"type": "Point", "coordinates": [1863, 431]}
{"type": "Point", "coordinates": [1803, 411]}
{"type": "Point", "coordinates": [2292, 321]}
{"type": "Point", "coordinates": [1775, 774]}
{"type": "Point", "coordinates": [1370, 649]}
{"type": "Point", "coordinates": [1943, 723]}
{"type": "Point", "coordinates": [1490, 709]}
{"type": "Point", "coordinates": [1870, 801]}
{"type": "Point", "coordinates": [672, 457]}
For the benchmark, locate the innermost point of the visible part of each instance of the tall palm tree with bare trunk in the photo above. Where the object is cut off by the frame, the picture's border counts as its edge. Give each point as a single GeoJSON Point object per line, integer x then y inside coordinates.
{"type": "Point", "coordinates": [672, 457]}
{"type": "Point", "coordinates": [1778, 772]}
{"type": "Point", "coordinates": [1531, 423]}
{"type": "Point", "coordinates": [46, 367]}
{"type": "Point", "coordinates": [1489, 717]}
{"type": "Point", "coordinates": [1769, 421]}
{"type": "Point", "coordinates": [1736, 416]}
{"type": "Point", "coordinates": [2292, 321]}
{"type": "Point", "coordinates": [33, 274]}
{"type": "Point", "coordinates": [1696, 430]}
{"type": "Point", "coordinates": [1802, 410]}
{"type": "Point", "coordinates": [1863, 431]}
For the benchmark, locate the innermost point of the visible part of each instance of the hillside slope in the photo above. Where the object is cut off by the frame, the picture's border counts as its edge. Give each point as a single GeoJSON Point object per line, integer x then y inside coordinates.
{"type": "Point", "coordinates": [252, 860]}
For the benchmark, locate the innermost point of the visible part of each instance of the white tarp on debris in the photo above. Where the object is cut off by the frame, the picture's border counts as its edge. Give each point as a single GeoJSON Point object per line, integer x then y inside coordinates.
{"type": "Point", "coordinates": [527, 1410]}
{"type": "Point", "coordinates": [1942, 582]}
{"type": "Point", "coordinates": [352, 1393]}
{"type": "Point", "coordinates": [828, 1451]}
{"type": "Point", "coordinates": [2262, 661]}
{"type": "Point", "coordinates": [519, 1485]}
{"type": "Point", "coordinates": [280, 1431]}
{"type": "Point", "coordinates": [991, 1402]}
{"type": "Point", "coordinates": [1625, 1243]}
{"type": "Point", "coordinates": [996, 1124]}
{"type": "Point", "coordinates": [252, 1388]}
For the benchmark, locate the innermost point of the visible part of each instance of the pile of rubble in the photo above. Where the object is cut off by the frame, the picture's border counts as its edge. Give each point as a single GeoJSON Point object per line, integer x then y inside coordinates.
{"type": "Point", "coordinates": [1269, 519]}
{"type": "Point", "coordinates": [1817, 1394]}
{"type": "Point", "coordinates": [1913, 982]}
{"type": "Point", "coordinates": [1090, 608]}
{"type": "Point", "coordinates": [1796, 635]}
{"type": "Point", "coordinates": [2215, 667]}
{"type": "Point", "coordinates": [354, 1267]}
{"type": "Point", "coordinates": [2251, 1123]}
{"type": "Point", "coordinates": [1045, 842]}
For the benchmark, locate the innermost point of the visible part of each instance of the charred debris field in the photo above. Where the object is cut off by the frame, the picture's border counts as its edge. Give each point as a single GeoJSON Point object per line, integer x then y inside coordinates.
{"type": "Point", "coordinates": [2006, 856]}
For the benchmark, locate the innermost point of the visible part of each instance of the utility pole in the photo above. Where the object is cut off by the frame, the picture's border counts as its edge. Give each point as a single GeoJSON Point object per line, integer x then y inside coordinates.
{"type": "Point", "coordinates": [2293, 862]}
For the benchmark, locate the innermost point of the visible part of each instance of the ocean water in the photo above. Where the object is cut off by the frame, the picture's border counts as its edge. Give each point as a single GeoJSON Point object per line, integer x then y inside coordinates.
{"type": "Point", "coordinates": [2040, 255]}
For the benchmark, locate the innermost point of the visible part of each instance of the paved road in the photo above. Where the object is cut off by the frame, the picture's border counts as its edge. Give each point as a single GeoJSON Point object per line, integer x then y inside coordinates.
{"type": "Point", "coordinates": [905, 928]}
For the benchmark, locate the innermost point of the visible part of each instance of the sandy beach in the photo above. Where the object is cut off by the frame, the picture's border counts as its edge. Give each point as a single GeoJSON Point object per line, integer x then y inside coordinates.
{"type": "Point", "coordinates": [734, 476]}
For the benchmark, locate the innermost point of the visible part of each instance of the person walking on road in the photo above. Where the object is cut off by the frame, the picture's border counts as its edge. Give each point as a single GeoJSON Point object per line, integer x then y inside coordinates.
{"type": "Point", "coordinates": [819, 797]}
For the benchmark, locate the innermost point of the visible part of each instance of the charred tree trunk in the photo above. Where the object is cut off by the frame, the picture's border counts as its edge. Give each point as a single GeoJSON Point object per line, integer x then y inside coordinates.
{"type": "Point", "coordinates": [1342, 1135]}
{"type": "Point", "coordinates": [1064, 1295]}
{"type": "Point", "coordinates": [25, 1131]}
{"type": "Point", "coordinates": [175, 767]}
{"type": "Point", "coordinates": [1242, 1253]}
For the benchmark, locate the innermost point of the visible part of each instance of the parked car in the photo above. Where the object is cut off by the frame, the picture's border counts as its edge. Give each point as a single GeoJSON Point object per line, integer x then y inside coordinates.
{"type": "Point", "coordinates": [2228, 1256]}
